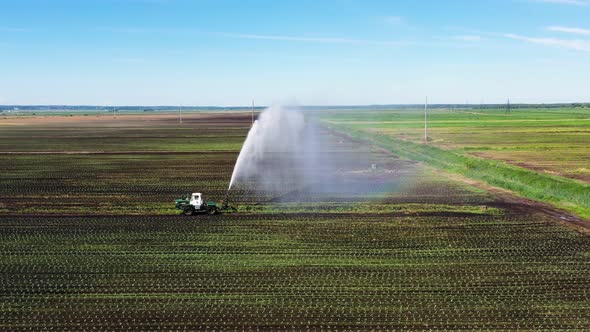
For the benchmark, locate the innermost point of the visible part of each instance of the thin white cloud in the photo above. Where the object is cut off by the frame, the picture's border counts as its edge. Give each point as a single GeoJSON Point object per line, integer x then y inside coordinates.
{"type": "Point", "coordinates": [577, 31]}
{"type": "Point", "coordinates": [565, 2]}
{"type": "Point", "coordinates": [137, 30]}
{"type": "Point", "coordinates": [578, 45]}
{"type": "Point", "coordinates": [325, 40]}
{"type": "Point", "coordinates": [13, 29]}
{"type": "Point", "coordinates": [468, 38]}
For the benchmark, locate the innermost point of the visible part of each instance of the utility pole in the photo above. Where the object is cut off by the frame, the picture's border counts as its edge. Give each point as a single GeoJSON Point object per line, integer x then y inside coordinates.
{"type": "Point", "coordinates": [426, 120]}
{"type": "Point", "coordinates": [508, 107]}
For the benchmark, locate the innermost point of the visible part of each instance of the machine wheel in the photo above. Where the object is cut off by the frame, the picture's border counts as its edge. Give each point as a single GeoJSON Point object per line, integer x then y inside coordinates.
{"type": "Point", "coordinates": [188, 211]}
{"type": "Point", "coordinates": [212, 211]}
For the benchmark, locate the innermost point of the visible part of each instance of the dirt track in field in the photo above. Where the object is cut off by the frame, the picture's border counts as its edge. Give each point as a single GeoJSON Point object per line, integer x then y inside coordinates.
{"type": "Point", "coordinates": [510, 200]}
{"type": "Point", "coordinates": [523, 205]}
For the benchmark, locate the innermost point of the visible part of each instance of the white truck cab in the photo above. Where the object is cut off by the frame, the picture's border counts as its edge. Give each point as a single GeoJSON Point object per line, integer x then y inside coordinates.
{"type": "Point", "coordinates": [196, 200]}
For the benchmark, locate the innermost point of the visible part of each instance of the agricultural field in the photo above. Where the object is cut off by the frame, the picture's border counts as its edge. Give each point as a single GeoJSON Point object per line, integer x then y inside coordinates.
{"type": "Point", "coordinates": [542, 154]}
{"type": "Point", "coordinates": [104, 165]}
{"type": "Point", "coordinates": [553, 141]}
{"type": "Point", "coordinates": [89, 239]}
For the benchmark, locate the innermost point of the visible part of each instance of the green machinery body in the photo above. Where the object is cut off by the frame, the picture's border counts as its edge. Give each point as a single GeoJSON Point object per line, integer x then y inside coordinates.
{"type": "Point", "coordinates": [195, 204]}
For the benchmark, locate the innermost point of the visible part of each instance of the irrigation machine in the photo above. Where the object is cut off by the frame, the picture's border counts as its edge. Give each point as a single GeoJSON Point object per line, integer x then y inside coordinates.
{"type": "Point", "coordinates": [196, 204]}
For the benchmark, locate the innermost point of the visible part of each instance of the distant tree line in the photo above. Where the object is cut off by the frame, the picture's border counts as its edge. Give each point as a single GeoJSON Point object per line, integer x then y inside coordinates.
{"type": "Point", "coordinates": [90, 108]}
{"type": "Point", "coordinates": [56, 108]}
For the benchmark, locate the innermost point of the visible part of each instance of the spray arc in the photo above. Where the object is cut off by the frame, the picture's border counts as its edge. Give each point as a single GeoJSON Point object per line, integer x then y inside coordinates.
{"type": "Point", "coordinates": [288, 156]}
{"type": "Point", "coordinates": [276, 153]}
{"type": "Point", "coordinates": [243, 154]}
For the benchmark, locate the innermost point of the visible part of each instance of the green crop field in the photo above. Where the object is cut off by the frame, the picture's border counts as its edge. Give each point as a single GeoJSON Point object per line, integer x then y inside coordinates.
{"type": "Point", "coordinates": [90, 240]}
{"type": "Point", "coordinates": [293, 272]}
{"type": "Point", "coordinates": [554, 141]}
{"type": "Point", "coordinates": [538, 150]}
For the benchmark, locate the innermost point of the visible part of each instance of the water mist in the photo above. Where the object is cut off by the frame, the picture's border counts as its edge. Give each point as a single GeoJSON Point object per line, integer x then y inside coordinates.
{"type": "Point", "coordinates": [277, 151]}
{"type": "Point", "coordinates": [290, 157]}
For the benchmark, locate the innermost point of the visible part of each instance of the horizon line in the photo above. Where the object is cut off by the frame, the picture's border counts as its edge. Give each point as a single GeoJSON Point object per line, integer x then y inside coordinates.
{"type": "Point", "coordinates": [266, 106]}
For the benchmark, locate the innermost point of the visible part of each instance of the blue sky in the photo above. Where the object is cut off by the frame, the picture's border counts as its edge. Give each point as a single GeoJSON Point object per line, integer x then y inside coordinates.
{"type": "Point", "coordinates": [320, 52]}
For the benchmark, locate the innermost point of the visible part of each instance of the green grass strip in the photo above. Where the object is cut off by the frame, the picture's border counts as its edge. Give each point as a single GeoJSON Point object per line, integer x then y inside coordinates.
{"type": "Point", "coordinates": [562, 192]}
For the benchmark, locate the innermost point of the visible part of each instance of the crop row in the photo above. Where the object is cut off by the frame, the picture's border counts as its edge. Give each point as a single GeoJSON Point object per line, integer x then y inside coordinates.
{"type": "Point", "coordinates": [120, 184]}
{"type": "Point", "coordinates": [293, 272]}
